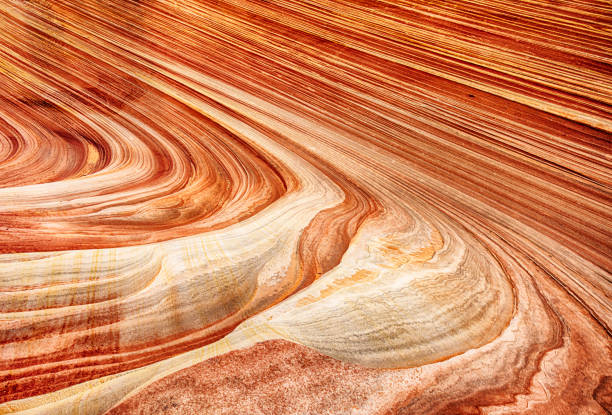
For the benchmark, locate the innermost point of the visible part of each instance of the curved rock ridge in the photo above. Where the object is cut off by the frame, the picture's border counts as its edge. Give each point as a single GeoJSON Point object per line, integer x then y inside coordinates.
{"type": "Point", "coordinates": [305, 207]}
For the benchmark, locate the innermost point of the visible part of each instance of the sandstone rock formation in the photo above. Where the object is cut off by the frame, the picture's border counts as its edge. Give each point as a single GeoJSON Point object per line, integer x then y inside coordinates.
{"type": "Point", "coordinates": [305, 207]}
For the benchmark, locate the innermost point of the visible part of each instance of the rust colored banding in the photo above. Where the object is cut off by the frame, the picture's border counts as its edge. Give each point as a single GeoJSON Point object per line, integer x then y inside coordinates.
{"type": "Point", "coordinates": [433, 178]}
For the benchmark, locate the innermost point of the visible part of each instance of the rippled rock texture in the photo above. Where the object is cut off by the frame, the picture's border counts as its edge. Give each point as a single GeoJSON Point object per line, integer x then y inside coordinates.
{"type": "Point", "coordinates": [305, 207]}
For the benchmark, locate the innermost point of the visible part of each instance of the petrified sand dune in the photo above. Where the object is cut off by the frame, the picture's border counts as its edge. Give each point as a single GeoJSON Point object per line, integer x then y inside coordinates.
{"type": "Point", "coordinates": [305, 207]}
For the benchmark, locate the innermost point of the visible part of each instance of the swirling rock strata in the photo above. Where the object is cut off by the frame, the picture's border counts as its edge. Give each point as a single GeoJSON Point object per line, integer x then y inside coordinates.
{"type": "Point", "coordinates": [305, 207]}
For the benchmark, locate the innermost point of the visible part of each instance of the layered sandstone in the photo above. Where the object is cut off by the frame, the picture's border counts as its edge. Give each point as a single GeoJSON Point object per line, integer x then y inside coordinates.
{"type": "Point", "coordinates": [305, 207]}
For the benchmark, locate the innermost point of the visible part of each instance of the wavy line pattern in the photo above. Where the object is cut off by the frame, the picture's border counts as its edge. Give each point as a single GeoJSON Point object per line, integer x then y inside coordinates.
{"type": "Point", "coordinates": [305, 207]}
